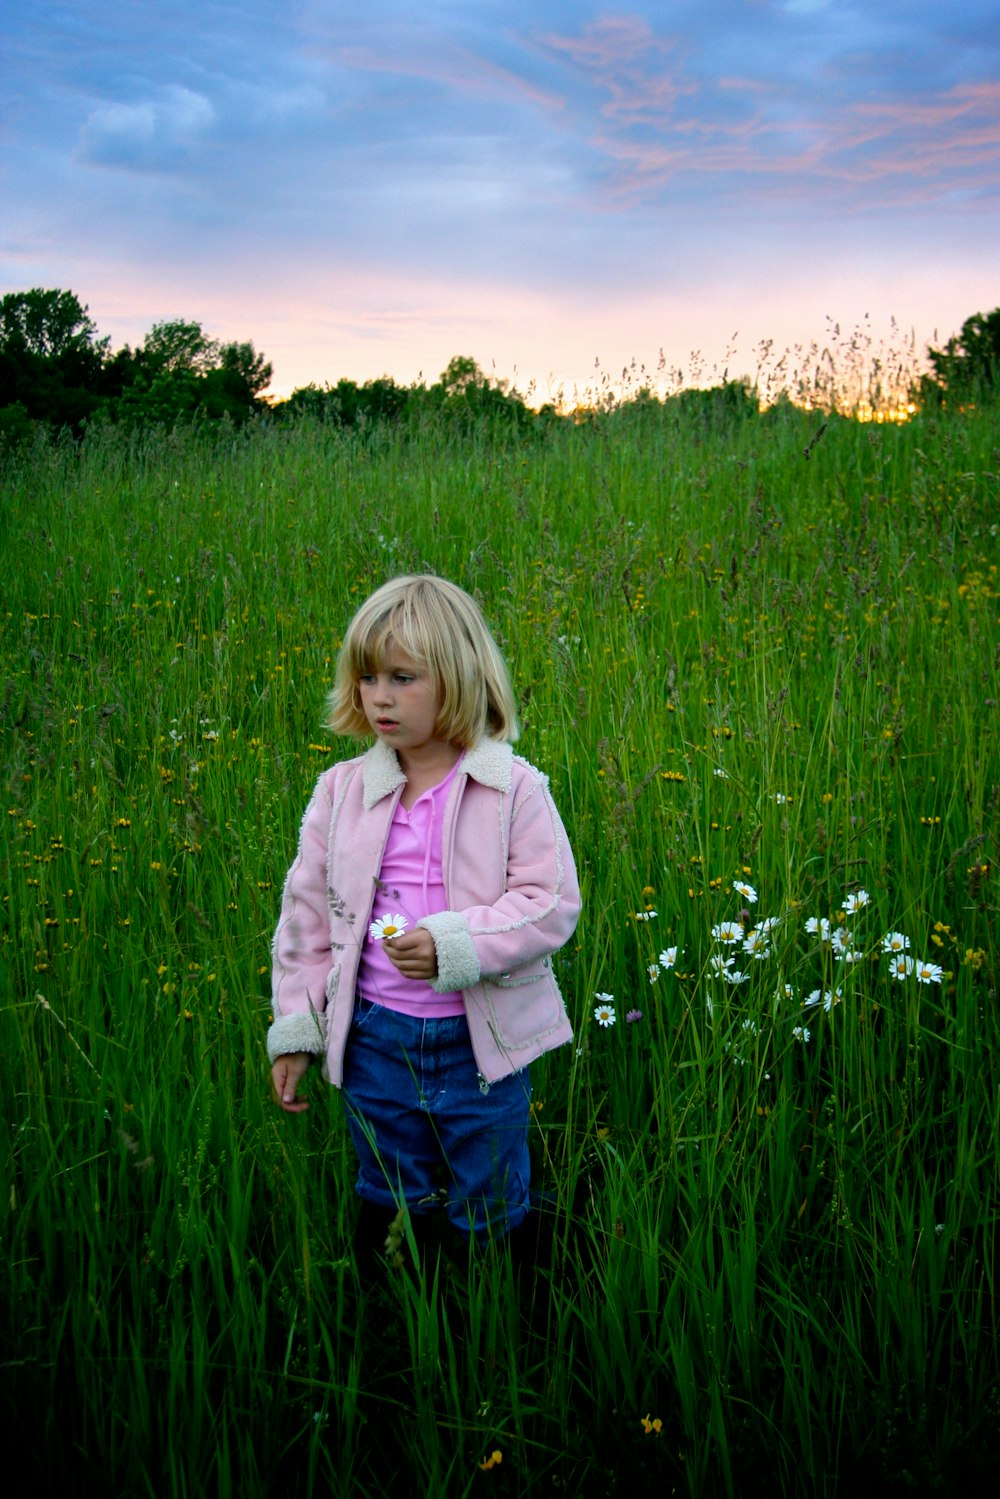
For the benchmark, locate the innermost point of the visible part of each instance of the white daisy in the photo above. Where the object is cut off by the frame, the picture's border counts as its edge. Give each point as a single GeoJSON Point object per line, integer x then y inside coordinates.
{"type": "Point", "coordinates": [929, 973]}
{"type": "Point", "coordinates": [895, 942]}
{"type": "Point", "coordinates": [604, 1014]}
{"type": "Point", "coordinates": [818, 926]}
{"type": "Point", "coordinates": [387, 926]}
{"type": "Point", "coordinates": [747, 891]}
{"type": "Point", "coordinates": [801, 1032]}
{"type": "Point", "coordinates": [668, 957]}
{"type": "Point", "coordinates": [856, 900]}
{"type": "Point", "coordinates": [756, 944]}
{"type": "Point", "coordinates": [728, 931]}
{"type": "Point", "coordinates": [901, 966]}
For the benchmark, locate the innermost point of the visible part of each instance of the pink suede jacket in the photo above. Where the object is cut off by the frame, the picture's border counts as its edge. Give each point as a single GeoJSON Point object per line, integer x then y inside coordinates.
{"type": "Point", "coordinates": [512, 892]}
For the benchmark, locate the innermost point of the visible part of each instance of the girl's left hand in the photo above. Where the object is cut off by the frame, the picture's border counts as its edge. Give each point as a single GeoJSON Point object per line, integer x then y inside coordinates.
{"type": "Point", "coordinates": [413, 954]}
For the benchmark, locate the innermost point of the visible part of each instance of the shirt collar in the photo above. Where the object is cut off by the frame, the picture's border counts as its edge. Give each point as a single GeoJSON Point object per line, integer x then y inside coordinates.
{"type": "Point", "coordinates": [489, 762]}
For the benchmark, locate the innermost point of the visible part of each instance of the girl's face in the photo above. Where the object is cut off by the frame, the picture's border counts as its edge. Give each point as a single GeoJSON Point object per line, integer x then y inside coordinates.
{"type": "Point", "coordinates": [401, 702]}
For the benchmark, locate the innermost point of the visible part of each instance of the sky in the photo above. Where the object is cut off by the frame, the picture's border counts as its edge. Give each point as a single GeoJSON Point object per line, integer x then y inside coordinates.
{"type": "Point", "coordinates": [575, 195]}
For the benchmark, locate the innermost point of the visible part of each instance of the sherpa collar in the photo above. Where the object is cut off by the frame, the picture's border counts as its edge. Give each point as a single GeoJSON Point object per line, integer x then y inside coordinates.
{"type": "Point", "coordinates": [489, 762]}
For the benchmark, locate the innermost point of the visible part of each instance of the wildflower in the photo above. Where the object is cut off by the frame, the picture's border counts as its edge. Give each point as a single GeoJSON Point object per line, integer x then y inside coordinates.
{"type": "Point", "coordinates": [649, 1427]}
{"type": "Point", "coordinates": [929, 973]}
{"type": "Point", "coordinates": [646, 915]}
{"type": "Point", "coordinates": [733, 976]}
{"type": "Point", "coordinates": [840, 941]}
{"type": "Point", "coordinates": [387, 926]}
{"type": "Point", "coordinates": [604, 1014]}
{"type": "Point", "coordinates": [631, 1016]}
{"type": "Point", "coordinates": [901, 966]}
{"type": "Point", "coordinates": [818, 926]}
{"type": "Point", "coordinates": [756, 944]}
{"type": "Point", "coordinates": [727, 931]}
{"type": "Point", "coordinates": [801, 1033]}
{"type": "Point", "coordinates": [747, 891]}
{"type": "Point", "coordinates": [668, 957]}
{"type": "Point", "coordinates": [788, 991]}
{"type": "Point", "coordinates": [855, 901]}
{"type": "Point", "coordinates": [491, 1461]}
{"type": "Point", "coordinates": [895, 942]}
{"type": "Point", "coordinates": [653, 972]}
{"type": "Point", "coordinates": [780, 798]}
{"type": "Point", "coordinates": [720, 964]}
{"type": "Point", "coordinates": [720, 773]}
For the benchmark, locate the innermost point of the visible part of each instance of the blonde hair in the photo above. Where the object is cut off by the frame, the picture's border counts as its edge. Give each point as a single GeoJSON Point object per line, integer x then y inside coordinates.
{"type": "Point", "coordinates": [442, 629]}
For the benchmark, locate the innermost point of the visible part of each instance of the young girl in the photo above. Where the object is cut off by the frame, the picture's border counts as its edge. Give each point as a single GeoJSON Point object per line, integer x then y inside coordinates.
{"type": "Point", "coordinates": [432, 884]}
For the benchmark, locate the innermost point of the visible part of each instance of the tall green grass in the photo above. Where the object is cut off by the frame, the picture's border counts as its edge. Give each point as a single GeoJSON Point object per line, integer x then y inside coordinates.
{"type": "Point", "coordinates": [761, 650]}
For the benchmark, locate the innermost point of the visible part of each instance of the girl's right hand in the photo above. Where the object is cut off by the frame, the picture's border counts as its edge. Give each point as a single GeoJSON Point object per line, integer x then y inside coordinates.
{"type": "Point", "coordinates": [286, 1074]}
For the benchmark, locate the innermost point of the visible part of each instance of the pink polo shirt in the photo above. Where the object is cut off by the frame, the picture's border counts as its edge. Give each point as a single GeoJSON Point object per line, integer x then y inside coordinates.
{"type": "Point", "coordinates": [412, 876]}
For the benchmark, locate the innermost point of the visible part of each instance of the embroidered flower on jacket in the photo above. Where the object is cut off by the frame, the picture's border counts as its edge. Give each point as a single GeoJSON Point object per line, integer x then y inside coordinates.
{"type": "Point", "coordinates": [387, 926]}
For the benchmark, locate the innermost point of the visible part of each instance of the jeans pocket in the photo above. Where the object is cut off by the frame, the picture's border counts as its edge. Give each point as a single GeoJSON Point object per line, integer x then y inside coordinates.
{"type": "Point", "coordinates": [364, 1013]}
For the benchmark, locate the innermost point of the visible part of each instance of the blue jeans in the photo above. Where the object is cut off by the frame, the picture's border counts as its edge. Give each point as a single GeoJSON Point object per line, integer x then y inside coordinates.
{"type": "Point", "coordinates": [429, 1132]}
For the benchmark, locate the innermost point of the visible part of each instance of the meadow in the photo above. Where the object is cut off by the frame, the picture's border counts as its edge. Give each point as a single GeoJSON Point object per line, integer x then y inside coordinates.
{"type": "Point", "coordinates": [758, 657]}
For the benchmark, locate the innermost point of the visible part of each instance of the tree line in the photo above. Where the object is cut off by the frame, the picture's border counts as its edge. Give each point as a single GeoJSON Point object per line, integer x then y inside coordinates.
{"type": "Point", "coordinates": [56, 370]}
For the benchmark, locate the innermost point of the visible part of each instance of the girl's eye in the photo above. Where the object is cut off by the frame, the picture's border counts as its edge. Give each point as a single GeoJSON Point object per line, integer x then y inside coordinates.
{"type": "Point", "coordinates": [367, 677]}
{"type": "Point", "coordinates": [401, 676]}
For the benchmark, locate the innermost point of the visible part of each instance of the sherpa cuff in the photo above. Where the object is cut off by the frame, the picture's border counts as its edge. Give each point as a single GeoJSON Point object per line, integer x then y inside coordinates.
{"type": "Point", "coordinates": [296, 1033]}
{"type": "Point", "coordinates": [458, 964]}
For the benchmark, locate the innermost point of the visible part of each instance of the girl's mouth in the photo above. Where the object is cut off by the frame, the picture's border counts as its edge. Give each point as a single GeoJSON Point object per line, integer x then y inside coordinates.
{"type": "Point", "coordinates": [386, 724]}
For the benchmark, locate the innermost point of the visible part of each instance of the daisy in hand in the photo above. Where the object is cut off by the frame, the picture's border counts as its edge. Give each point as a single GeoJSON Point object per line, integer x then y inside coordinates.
{"type": "Point", "coordinates": [387, 926]}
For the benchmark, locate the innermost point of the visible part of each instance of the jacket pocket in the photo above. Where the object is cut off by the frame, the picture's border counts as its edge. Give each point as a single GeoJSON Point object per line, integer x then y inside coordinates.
{"type": "Point", "coordinates": [524, 1005]}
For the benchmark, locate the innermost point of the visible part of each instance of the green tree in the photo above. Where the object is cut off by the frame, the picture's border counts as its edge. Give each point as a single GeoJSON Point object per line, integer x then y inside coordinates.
{"type": "Point", "coordinates": [967, 369]}
{"type": "Point", "coordinates": [468, 396]}
{"type": "Point", "coordinates": [179, 347]}
{"type": "Point", "coordinates": [51, 359]}
{"type": "Point", "coordinates": [179, 373]}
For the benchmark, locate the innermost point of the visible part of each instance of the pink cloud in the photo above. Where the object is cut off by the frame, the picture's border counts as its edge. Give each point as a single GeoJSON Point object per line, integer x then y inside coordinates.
{"type": "Point", "coordinates": [451, 66]}
{"type": "Point", "coordinates": [621, 55]}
